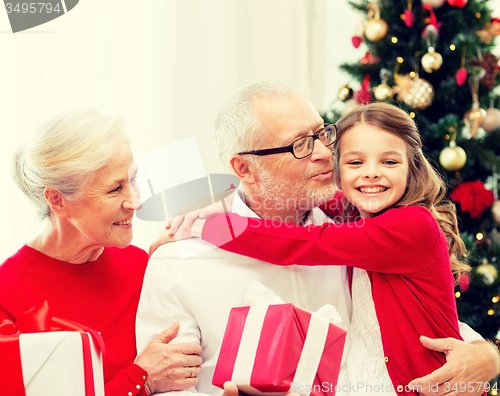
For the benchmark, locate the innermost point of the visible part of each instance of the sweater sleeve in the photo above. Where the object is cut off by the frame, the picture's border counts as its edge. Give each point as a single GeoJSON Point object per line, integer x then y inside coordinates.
{"type": "Point", "coordinates": [129, 381]}
{"type": "Point", "coordinates": [400, 241]}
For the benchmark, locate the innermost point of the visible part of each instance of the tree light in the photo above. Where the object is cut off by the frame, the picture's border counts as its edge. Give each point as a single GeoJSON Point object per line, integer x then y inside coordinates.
{"type": "Point", "coordinates": [457, 294]}
{"type": "Point", "coordinates": [452, 47]}
{"type": "Point", "coordinates": [399, 59]}
{"type": "Point", "coordinates": [394, 39]}
{"type": "Point", "coordinates": [479, 236]}
{"type": "Point", "coordinates": [491, 312]}
{"type": "Point", "coordinates": [495, 299]}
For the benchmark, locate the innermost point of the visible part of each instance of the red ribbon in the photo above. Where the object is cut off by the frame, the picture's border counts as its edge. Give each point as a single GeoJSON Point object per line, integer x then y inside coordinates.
{"type": "Point", "coordinates": [36, 320]}
{"type": "Point", "coordinates": [433, 20]}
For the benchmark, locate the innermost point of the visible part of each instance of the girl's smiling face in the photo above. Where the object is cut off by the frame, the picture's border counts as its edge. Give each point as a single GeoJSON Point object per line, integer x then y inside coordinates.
{"type": "Point", "coordinates": [373, 168]}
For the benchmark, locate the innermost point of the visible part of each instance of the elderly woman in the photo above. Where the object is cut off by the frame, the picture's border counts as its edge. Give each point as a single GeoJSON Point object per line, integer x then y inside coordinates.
{"type": "Point", "coordinates": [78, 171]}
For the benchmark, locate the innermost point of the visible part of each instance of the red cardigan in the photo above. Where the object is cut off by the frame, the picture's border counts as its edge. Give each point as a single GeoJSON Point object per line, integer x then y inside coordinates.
{"type": "Point", "coordinates": [405, 254]}
{"type": "Point", "coordinates": [103, 294]}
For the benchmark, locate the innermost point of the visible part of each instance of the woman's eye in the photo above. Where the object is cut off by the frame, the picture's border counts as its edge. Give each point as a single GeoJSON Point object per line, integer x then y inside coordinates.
{"type": "Point", "coordinates": [115, 190]}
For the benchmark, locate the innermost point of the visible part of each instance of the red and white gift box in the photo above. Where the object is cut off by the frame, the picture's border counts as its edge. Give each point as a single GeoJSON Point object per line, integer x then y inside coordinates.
{"type": "Point", "coordinates": [42, 356]}
{"type": "Point", "coordinates": [270, 349]}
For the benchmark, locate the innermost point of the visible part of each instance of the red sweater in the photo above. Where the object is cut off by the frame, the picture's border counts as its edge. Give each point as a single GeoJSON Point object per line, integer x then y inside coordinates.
{"type": "Point", "coordinates": [103, 294]}
{"type": "Point", "coordinates": [405, 254]}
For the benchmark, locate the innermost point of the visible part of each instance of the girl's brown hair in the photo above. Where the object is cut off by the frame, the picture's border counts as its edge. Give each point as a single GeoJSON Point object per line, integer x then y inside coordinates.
{"type": "Point", "coordinates": [425, 187]}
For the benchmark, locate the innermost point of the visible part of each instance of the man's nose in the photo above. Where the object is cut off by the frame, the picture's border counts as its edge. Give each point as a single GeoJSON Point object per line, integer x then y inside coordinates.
{"type": "Point", "coordinates": [321, 152]}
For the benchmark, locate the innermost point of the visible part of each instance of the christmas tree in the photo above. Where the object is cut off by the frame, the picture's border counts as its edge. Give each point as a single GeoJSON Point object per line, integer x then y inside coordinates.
{"type": "Point", "coordinates": [433, 58]}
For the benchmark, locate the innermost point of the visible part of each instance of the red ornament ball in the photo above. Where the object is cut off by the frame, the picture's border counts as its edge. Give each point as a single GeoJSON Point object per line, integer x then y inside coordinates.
{"type": "Point", "coordinates": [457, 3]}
{"type": "Point", "coordinates": [464, 282]}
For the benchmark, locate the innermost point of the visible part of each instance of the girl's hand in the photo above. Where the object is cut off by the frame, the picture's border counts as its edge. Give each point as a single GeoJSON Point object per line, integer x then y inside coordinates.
{"type": "Point", "coordinates": [184, 222]}
{"type": "Point", "coordinates": [190, 225]}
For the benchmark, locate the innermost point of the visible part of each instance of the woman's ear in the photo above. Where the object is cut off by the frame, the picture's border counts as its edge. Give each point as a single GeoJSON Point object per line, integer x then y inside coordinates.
{"type": "Point", "coordinates": [56, 201]}
{"type": "Point", "coordinates": [243, 168]}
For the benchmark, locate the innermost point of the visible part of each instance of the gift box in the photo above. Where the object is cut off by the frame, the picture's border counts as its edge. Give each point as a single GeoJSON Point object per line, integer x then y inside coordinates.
{"type": "Point", "coordinates": [270, 349]}
{"type": "Point", "coordinates": [43, 355]}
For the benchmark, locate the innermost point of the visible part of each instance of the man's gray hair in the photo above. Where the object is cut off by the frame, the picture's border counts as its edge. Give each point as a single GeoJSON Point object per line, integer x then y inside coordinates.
{"type": "Point", "coordinates": [236, 127]}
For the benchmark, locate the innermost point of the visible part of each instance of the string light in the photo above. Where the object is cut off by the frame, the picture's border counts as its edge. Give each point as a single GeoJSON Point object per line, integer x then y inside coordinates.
{"type": "Point", "coordinates": [495, 299]}
{"type": "Point", "coordinates": [491, 312]}
{"type": "Point", "coordinates": [412, 74]}
{"type": "Point", "coordinates": [457, 294]}
{"type": "Point", "coordinates": [452, 47]}
{"type": "Point", "coordinates": [400, 59]}
{"type": "Point", "coordinates": [479, 236]}
{"type": "Point", "coordinates": [394, 39]}
{"type": "Point", "coordinates": [478, 15]}
{"type": "Point", "coordinates": [412, 114]}
{"type": "Point", "coordinates": [494, 392]}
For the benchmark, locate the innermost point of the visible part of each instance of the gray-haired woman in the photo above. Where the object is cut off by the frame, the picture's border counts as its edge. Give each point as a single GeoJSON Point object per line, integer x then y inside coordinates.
{"type": "Point", "coordinates": [78, 171]}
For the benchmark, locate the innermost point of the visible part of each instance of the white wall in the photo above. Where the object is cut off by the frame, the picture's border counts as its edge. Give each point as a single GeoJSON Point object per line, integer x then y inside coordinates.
{"type": "Point", "coordinates": [166, 66]}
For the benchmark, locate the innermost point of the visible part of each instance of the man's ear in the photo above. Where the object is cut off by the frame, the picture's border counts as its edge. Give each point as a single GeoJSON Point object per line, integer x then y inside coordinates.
{"type": "Point", "coordinates": [243, 168]}
{"type": "Point", "coordinates": [56, 201]}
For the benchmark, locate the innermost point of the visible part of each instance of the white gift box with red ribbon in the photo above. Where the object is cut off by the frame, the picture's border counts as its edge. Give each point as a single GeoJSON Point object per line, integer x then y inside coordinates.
{"type": "Point", "coordinates": [61, 363]}
{"type": "Point", "coordinates": [41, 355]}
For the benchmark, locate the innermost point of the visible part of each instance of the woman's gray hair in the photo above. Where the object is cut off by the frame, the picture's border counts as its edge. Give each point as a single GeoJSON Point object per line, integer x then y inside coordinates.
{"type": "Point", "coordinates": [236, 127]}
{"type": "Point", "coordinates": [63, 154]}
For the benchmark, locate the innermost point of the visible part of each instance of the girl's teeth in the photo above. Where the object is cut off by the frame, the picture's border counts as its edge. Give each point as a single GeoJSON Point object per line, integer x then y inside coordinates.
{"type": "Point", "coordinates": [372, 189]}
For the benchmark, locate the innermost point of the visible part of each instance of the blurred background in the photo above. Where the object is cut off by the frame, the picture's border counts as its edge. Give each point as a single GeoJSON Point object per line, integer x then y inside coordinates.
{"type": "Point", "coordinates": [166, 67]}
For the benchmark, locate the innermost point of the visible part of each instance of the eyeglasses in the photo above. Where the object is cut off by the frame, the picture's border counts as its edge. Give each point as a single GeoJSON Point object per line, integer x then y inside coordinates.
{"type": "Point", "coordinates": [302, 147]}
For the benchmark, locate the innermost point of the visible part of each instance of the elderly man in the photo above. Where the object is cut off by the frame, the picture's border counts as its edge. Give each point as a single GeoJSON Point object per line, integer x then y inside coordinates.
{"type": "Point", "coordinates": [199, 292]}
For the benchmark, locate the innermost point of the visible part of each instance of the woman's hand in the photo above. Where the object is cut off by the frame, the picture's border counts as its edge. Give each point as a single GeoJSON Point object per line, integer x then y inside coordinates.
{"type": "Point", "coordinates": [170, 367]}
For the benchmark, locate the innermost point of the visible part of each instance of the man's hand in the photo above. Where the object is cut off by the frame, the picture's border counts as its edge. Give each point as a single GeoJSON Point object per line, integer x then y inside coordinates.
{"type": "Point", "coordinates": [170, 367]}
{"type": "Point", "coordinates": [467, 370]}
{"type": "Point", "coordinates": [230, 389]}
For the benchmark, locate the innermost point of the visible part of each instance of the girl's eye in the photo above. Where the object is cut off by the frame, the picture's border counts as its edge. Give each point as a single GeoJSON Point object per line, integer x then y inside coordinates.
{"type": "Point", "coordinates": [355, 163]}
{"type": "Point", "coordinates": [390, 162]}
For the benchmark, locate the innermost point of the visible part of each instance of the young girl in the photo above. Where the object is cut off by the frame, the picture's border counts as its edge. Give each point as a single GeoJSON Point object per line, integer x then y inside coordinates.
{"type": "Point", "coordinates": [401, 243]}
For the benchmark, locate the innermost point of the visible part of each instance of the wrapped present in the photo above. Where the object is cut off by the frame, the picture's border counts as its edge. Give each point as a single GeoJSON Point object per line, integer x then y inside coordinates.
{"type": "Point", "coordinates": [43, 355]}
{"type": "Point", "coordinates": [280, 348]}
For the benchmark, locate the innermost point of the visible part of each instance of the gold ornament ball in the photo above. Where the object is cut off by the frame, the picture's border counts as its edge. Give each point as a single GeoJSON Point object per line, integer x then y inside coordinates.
{"type": "Point", "coordinates": [421, 94]}
{"type": "Point", "coordinates": [376, 29]}
{"type": "Point", "coordinates": [452, 158]}
{"type": "Point", "coordinates": [473, 119]}
{"type": "Point", "coordinates": [491, 120]}
{"type": "Point", "coordinates": [345, 93]}
{"type": "Point", "coordinates": [495, 210]}
{"type": "Point", "coordinates": [383, 92]}
{"type": "Point", "coordinates": [488, 271]}
{"type": "Point", "coordinates": [432, 61]}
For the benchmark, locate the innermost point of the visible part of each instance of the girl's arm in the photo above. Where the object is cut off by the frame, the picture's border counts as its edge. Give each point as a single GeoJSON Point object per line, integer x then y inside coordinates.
{"type": "Point", "coordinates": [403, 241]}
